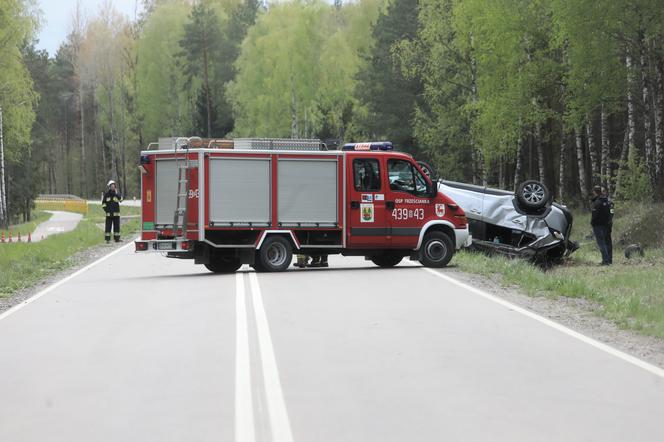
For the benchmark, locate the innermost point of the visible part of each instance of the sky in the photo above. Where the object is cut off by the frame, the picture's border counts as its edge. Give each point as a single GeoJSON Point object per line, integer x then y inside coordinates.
{"type": "Point", "coordinates": [57, 17]}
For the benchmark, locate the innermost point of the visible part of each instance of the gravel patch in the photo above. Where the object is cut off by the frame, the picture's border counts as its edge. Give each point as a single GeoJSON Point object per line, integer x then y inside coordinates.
{"type": "Point", "coordinates": [575, 313]}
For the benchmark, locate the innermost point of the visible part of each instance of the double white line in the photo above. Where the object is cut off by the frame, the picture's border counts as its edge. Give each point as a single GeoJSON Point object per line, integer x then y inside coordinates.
{"type": "Point", "coordinates": [245, 423]}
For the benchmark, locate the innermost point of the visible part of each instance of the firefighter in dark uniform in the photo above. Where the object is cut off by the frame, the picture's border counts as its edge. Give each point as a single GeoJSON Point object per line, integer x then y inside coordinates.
{"type": "Point", "coordinates": [110, 202]}
{"type": "Point", "coordinates": [609, 241]}
{"type": "Point", "coordinates": [600, 220]}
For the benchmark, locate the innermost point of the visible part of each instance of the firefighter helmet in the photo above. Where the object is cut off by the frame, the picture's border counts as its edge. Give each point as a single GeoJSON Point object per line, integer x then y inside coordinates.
{"type": "Point", "coordinates": [109, 183]}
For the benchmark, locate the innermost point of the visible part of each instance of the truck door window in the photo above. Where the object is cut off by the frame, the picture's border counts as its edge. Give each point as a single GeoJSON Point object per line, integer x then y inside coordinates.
{"type": "Point", "coordinates": [366, 175]}
{"type": "Point", "coordinates": [406, 178]}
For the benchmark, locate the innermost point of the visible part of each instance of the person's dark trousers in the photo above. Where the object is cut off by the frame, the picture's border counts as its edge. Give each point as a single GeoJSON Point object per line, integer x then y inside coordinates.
{"type": "Point", "coordinates": [114, 222]}
{"type": "Point", "coordinates": [609, 242]}
{"type": "Point", "coordinates": [601, 234]}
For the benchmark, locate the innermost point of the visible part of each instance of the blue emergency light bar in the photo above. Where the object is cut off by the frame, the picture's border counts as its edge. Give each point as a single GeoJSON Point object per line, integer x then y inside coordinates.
{"type": "Point", "coordinates": [376, 145]}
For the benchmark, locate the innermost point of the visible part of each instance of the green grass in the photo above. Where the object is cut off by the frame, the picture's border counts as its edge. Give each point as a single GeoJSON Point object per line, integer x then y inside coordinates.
{"type": "Point", "coordinates": [97, 215]}
{"type": "Point", "coordinates": [38, 217]}
{"type": "Point", "coordinates": [630, 293]}
{"type": "Point", "coordinates": [22, 265]}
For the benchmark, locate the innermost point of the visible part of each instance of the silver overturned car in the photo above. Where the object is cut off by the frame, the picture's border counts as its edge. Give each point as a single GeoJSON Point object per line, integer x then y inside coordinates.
{"type": "Point", "coordinates": [526, 223]}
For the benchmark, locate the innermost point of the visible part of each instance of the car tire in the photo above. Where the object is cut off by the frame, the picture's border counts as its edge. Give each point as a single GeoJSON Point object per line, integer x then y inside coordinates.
{"type": "Point", "coordinates": [437, 250]}
{"type": "Point", "coordinates": [532, 195]}
{"type": "Point", "coordinates": [428, 171]}
{"type": "Point", "coordinates": [275, 255]}
{"type": "Point", "coordinates": [386, 261]}
{"type": "Point", "coordinates": [224, 264]}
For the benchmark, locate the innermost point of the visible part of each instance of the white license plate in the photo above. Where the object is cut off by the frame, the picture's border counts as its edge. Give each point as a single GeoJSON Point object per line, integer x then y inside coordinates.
{"type": "Point", "coordinates": [165, 246]}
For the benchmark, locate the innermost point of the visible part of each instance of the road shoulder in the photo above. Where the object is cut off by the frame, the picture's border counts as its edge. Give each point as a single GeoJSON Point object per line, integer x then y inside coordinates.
{"type": "Point", "coordinates": [79, 260]}
{"type": "Point", "coordinates": [575, 313]}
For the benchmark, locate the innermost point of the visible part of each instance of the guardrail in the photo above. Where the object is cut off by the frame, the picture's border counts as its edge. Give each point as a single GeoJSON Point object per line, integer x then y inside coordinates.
{"type": "Point", "coordinates": [64, 203]}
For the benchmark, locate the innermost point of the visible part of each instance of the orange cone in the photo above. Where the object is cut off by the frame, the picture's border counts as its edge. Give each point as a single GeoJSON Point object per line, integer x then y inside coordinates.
{"type": "Point", "coordinates": [29, 237]}
{"type": "Point", "coordinates": [10, 236]}
{"type": "Point", "coordinates": [19, 236]}
{"type": "Point", "coordinates": [3, 237]}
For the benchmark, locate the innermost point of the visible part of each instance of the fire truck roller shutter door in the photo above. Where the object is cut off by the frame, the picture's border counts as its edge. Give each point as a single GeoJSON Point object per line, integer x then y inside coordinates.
{"type": "Point", "coordinates": [240, 191]}
{"type": "Point", "coordinates": [308, 192]}
{"type": "Point", "coordinates": [166, 189]}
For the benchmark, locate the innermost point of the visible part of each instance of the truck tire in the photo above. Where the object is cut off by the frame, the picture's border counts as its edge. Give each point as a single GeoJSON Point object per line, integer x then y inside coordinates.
{"type": "Point", "coordinates": [275, 255]}
{"type": "Point", "coordinates": [224, 264]}
{"type": "Point", "coordinates": [532, 195]}
{"type": "Point", "coordinates": [386, 260]}
{"type": "Point", "coordinates": [437, 249]}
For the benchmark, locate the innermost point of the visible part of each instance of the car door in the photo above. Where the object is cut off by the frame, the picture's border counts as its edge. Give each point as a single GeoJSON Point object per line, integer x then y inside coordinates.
{"type": "Point", "coordinates": [408, 202]}
{"type": "Point", "coordinates": [368, 226]}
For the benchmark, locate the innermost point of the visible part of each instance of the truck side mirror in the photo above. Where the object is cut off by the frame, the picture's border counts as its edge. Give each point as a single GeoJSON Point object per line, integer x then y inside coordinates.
{"type": "Point", "coordinates": [433, 190]}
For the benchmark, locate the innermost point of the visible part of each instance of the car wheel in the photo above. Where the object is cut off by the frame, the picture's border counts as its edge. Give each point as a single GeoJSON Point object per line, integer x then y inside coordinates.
{"type": "Point", "coordinates": [428, 171]}
{"type": "Point", "coordinates": [275, 255]}
{"type": "Point", "coordinates": [437, 249]}
{"type": "Point", "coordinates": [532, 195]}
{"type": "Point", "coordinates": [224, 264]}
{"type": "Point", "coordinates": [386, 260]}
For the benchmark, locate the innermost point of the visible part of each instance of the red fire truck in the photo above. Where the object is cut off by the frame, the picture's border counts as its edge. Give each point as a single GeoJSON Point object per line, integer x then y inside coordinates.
{"type": "Point", "coordinates": [224, 203]}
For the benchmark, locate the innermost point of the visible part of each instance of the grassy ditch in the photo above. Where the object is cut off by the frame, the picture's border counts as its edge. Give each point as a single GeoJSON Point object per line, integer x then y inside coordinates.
{"type": "Point", "coordinates": [22, 265]}
{"type": "Point", "coordinates": [38, 217]}
{"type": "Point", "coordinates": [630, 293]}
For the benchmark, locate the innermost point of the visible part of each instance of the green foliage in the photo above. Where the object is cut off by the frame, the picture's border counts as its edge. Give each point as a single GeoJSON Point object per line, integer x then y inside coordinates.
{"type": "Point", "coordinates": [162, 102]}
{"type": "Point", "coordinates": [390, 96]}
{"type": "Point", "coordinates": [296, 70]}
{"type": "Point", "coordinates": [634, 181]}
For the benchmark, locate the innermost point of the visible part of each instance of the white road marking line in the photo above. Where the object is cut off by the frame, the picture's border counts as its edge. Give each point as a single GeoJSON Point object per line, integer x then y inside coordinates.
{"type": "Point", "coordinates": [276, 405]}
{"type": "Point", "coordinates": [244, 409]}
{"type": "Point", "coordinates": [583, 338]}
{"type": "Point", "coordinates": [52, 287]}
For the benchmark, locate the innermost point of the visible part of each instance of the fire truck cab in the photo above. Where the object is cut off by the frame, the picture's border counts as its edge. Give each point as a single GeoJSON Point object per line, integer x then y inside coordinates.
{"type": "Point", "coordinates": [257, 202]}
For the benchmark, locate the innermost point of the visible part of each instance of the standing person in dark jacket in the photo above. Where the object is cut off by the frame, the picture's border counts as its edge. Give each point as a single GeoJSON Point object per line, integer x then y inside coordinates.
{"type": "Point", "coordinates": [110, 202]}
{"type": "Point", "coordinates": [600, 220]}
{"type": "Point", "coordinates": [609, 241]}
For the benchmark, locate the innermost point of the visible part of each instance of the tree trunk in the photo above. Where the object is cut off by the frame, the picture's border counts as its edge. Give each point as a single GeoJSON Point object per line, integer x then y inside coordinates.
{"type": "Point", "coordinates": [631, 123]}
{"type": "Point", "coordinates": [624, 153]}
{"type": "Point", "coordinates": [4, 216]}
{"type": "Point", "coordinates": [294, 129]}
{"type": "Point", "coordinates": [114, 169]}
{"type": "Point", "coordinates": [206, 81]}
{"type": "Point", "coordinates": [501, 172]}
{"type": "Point", "coordinates": [594, 164]}
{"type": "Point", "coordinates": [581, 164]}
{"type": "Point", "coordinates": [605, 168]}
{"type": "Point", "coordinates": [84, 179]}
{"type": "Point", "coordinates": [563, 164]}
{"type": "Point", "coordinates": [519, 163]}
{"type": "Point", "coordinates": [659, 132]}
{"type": "Point", "coordinates": [541, 171]}
{"type": "Point", "coordinates": [645, 84]}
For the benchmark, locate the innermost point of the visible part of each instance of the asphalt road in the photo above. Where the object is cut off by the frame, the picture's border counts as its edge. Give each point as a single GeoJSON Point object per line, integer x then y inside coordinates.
{"type": "Point", "coordinates": [142, 348]}
{"type": "Point", "coordinates": [60, 222]}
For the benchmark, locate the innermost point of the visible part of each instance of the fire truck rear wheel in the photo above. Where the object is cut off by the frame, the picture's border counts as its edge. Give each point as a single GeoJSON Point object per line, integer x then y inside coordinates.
{"type": "Point", "coordinates": [275, 255]}
{"type": "Point", "coordinates": [437, 249]}
{"type": "Point", "coordinates": [224, 264]}
{"type": "Point", "coordinates": [386, 260]}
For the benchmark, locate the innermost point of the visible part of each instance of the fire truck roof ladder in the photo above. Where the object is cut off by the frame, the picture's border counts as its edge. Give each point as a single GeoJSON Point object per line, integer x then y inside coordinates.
{"type": "Point", "coordinates": [183, 167]}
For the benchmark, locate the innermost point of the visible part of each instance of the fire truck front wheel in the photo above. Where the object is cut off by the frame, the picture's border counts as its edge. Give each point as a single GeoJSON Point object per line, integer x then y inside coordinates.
{"type": "Point", "coordinates": [437, 249]}
{"type": "Point", "coordinates": [388, 260]}
{"type": "Point", "coordinates": [275, 255]}
{"type": "Point", "coordinates": [224, 264]}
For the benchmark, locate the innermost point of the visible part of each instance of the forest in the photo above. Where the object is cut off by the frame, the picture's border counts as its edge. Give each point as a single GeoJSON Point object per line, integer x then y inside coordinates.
{"type": "Point", "coordinates": [569, 92]}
